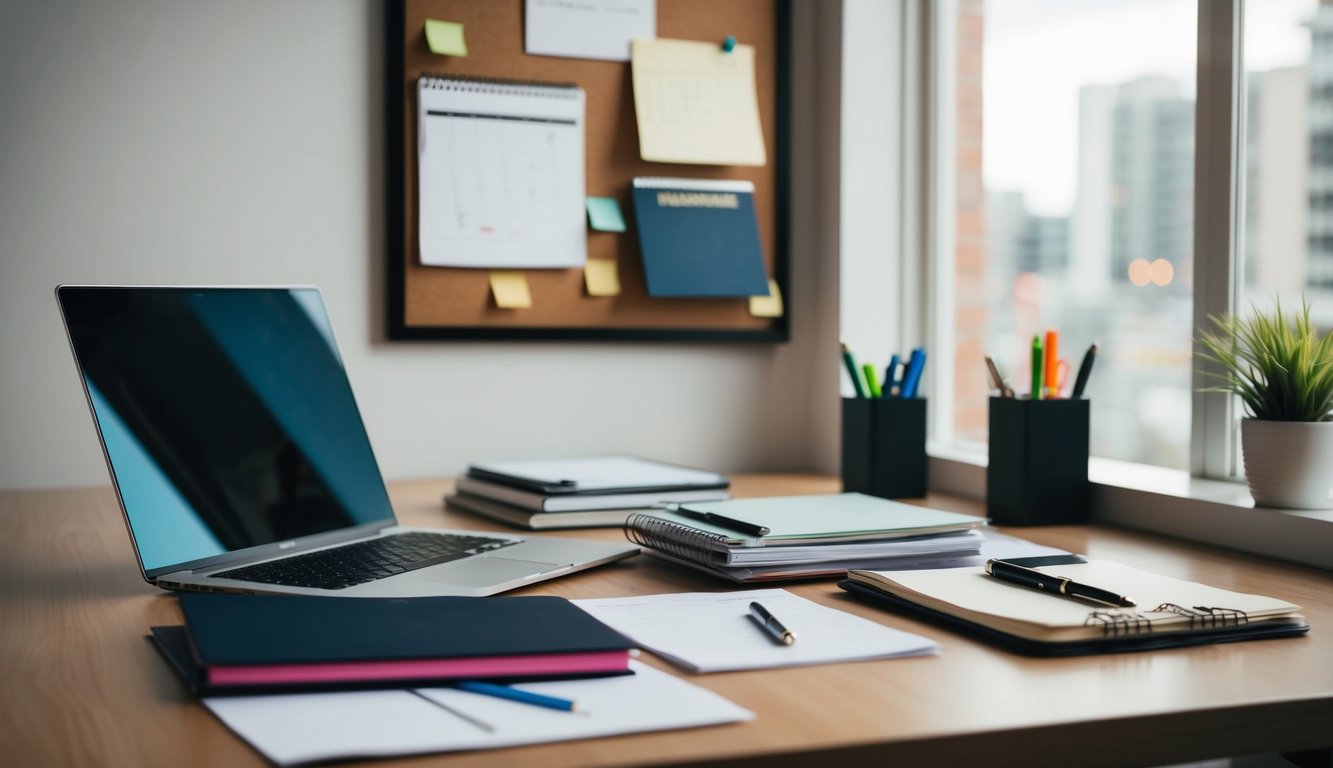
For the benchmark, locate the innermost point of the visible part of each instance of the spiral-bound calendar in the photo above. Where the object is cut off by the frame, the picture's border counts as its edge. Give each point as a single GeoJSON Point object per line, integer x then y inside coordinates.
{"type": "Point", "coordinates": [500, 174]}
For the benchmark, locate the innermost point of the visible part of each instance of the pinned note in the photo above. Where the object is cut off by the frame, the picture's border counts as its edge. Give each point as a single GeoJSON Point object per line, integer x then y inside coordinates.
{"type": "Point", "coordinates": [445, 38]}
{"type": "Point", "coordinates": [770, 305]}
{"type": "Point", "coordinates": [604, 214]}
{"type": "Point", "coordinates": [601, 277]}
{"type": "Point", "coordinates": [696, 103]}
{"type": "Point", "coordinates": [510, 289]}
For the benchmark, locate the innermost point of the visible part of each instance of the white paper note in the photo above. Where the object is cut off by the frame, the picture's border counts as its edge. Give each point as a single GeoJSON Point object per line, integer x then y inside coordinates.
{"type": "Point", "coordinates": [587, 29]}
{"type": "Point", "coordinates": [300, 728]}
{"type": "Point", "coordinates": [713, 632]}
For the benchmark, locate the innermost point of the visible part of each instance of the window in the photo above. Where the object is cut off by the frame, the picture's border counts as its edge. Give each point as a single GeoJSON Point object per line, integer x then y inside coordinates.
{"type": "Point", "coordinates": [1073, 177]}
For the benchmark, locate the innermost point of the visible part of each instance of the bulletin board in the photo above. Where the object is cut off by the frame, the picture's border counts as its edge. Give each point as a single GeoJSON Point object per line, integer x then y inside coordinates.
{"type": "Point", "coordinates": [431, 302]}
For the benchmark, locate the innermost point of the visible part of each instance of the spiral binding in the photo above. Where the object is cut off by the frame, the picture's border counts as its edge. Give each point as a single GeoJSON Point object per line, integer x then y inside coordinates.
{"type": "Point", "coordinates": [1119, 623]}
{"type": "Point", "coordinates": [678, 539]}
{"type": "Point", "coordinates": [478, 84]}
{"type": "Point", "coordinates": [1201, 616]}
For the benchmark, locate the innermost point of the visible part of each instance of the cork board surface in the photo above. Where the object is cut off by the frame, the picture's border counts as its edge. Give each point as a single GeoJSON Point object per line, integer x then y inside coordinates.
{"type": "Point", "coordinates": [444, 302]}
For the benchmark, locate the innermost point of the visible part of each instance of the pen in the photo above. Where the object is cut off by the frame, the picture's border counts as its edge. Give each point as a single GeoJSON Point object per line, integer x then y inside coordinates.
{"type": "Point", "coordinates": [872, 382]}
{"type": "Point", "coordinates": [515, 694]}
{"type": "Point", "coordinates": [891, 377]}
{"type": "Point", "coordinates": [1054, 585]}
{"type": "Point", "coordinates": [849, 360]}
{"type": "Point", "coordinates": [724, 521]}
{"type": "Point", "coordinates": [770, 624]}
{"type": "Point", "coordinates": [1036, 368]}
{"type": "Point", "coordinates": [912, 375]}
{"type": "Point", "coordinates": [1052, 354]}
{"type": "Point", "coordinates": [1084, 369]}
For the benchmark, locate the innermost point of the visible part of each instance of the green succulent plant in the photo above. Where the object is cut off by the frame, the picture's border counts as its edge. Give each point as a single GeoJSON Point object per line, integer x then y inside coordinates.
{"type": "Point", "coordinates": [1275, 363]}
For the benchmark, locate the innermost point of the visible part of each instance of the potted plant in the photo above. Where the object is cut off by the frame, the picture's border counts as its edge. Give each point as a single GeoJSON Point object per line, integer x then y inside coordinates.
{"type": "Point", "coordinates": [1283, 373]}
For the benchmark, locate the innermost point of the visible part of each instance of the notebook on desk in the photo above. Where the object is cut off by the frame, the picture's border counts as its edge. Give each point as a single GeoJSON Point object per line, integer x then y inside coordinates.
{"type": "Point", "coordinates": [241, 462]}
{"type": "Point", "coordinates": [1167, 613]}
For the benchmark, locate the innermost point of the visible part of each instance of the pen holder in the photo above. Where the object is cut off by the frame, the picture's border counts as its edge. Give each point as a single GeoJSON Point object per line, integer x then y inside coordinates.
{"type": "Point", "coordinates": [1038, 471]}
{"type": "Point", "coordinates": [884, 446]}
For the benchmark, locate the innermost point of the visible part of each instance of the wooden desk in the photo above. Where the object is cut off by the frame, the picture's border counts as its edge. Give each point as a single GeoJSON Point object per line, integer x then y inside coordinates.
{"type": "Point", "coordinates": [81, 686]}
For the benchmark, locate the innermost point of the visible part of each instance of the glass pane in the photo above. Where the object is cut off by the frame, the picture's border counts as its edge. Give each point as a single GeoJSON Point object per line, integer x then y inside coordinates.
{"type": "Point", "coordinates": [1075, 171]}
{"type": "Point", "coordinates": [1288, 203]}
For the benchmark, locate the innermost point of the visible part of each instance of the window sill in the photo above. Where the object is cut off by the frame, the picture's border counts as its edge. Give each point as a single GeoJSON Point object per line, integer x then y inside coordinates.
{"type": "Point", "coordinates": [1170, 502]}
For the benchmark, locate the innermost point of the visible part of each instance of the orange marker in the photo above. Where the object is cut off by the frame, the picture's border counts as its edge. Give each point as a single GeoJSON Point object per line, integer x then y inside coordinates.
{"type": "Point", "coordinates": [1052, 363]}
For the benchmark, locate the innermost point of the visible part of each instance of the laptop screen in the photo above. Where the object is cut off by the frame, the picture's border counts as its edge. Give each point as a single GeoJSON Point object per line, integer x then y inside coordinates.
{"type": "Point", "coordinates": [226, 415]}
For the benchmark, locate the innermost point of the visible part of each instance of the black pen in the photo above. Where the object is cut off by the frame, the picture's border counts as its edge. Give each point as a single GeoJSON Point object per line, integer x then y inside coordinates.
{"type": "Point", "coordinates": [1055, 585]}
{"type": "Point", "coordinates": [770, 624]}
{"type": "Point", "coordinates": [724, 521]}
{"type": "Point", "coordinates": [1084, 369]}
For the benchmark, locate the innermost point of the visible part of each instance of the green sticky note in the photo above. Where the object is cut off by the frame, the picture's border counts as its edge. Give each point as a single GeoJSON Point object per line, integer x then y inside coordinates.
{"type": "Point", "coordinates": [445, 38]}
{"type": "Point", "coordinates": [604, 214]}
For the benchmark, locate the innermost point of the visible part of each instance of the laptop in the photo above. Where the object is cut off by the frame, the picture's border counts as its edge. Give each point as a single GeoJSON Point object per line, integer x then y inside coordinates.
{"type": "Point", "coordinates": [241, 462]}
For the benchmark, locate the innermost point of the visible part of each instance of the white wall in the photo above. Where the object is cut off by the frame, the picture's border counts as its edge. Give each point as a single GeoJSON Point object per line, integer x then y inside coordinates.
{"type": "Point", "coordinates": [240, 143]}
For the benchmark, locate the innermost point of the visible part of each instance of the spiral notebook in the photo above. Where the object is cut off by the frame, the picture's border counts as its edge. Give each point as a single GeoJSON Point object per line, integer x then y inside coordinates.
{"type": "Point", "coordinates": [1170, 612]}
{"type": "Point", "coordinates": [500, 173]}
{"type": "Point", "coordinates": [808, 536]}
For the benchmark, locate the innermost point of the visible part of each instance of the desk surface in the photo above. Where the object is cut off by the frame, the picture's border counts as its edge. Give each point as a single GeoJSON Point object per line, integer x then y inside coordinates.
{"type": "Point", "coordinates": [82, 686]}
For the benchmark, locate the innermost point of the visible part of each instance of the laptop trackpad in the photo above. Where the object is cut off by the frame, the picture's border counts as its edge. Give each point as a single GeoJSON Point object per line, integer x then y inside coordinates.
{"type": "Point", "coordinates": [486, 571]}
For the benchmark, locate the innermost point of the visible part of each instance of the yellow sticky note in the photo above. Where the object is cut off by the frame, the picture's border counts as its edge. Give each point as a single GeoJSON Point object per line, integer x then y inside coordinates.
{"type": "Point", "coordinates": [445, 38]}
{"type": "Point", "coordinates": [601, 277]}
{"type": "Point", "coordinates": [770, 305]}
{"type": "Point", "coordinates": [510, 289]}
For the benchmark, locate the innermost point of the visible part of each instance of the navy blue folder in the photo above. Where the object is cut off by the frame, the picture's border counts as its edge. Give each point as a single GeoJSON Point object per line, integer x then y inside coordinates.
{"type": "Point", "coordinates": [699, 238]}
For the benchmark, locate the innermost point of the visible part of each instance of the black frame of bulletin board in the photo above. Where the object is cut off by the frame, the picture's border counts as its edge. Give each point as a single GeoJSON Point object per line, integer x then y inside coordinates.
{"type": "Point", "coordinates": [402, 262]}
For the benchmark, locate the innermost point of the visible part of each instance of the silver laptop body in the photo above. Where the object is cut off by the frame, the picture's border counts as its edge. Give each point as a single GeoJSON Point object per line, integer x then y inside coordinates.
{"type": "Point", "coordinates": [233, 440]}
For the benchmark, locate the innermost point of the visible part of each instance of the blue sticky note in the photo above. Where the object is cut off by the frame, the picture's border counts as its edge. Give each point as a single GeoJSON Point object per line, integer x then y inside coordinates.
{"type": "Point", "coordinates": [604, 214]}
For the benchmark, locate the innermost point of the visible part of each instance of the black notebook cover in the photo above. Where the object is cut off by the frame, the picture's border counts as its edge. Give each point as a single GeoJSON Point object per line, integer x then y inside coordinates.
{"type": "Point", "coordinates": [231, 629]}
{"type": "Point", "coordinates": [1111, 644]}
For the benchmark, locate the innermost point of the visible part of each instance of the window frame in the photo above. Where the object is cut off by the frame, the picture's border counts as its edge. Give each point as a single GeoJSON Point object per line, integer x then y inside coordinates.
{"type": "Point", "coordinates": [1205, 503]}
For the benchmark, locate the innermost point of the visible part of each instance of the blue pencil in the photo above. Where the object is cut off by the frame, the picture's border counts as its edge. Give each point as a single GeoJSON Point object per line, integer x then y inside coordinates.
{"type": "Point", "coordinates": [515, 694]}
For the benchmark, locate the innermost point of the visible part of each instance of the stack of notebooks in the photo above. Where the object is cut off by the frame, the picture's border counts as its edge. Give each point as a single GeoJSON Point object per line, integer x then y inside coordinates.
{"type": "Point", "coordinates": [246, 644]}
{"type": "Point", "coordinates": [798, 537]}
{"type": "Point", "coordinates": [579, 493]}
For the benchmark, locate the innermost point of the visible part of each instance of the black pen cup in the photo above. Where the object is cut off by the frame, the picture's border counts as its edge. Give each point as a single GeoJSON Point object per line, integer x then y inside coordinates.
{"type": "Point", "coordinates": [1038, 471]}
{"type": "Point", "coordinates": [884, 446]}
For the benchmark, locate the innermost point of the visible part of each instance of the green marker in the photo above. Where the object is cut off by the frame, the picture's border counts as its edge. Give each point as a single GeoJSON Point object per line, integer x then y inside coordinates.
{"type": "Point", "coordinates": [1037, 368]}
{"type": "Point", "coordinates": [872, 381]}
{"type": "Point", "coordinates": [850, 361]}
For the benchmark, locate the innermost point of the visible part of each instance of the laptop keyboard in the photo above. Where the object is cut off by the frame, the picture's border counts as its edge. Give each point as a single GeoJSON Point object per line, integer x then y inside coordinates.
{"type": "Point", "coordinates": [342, 567]}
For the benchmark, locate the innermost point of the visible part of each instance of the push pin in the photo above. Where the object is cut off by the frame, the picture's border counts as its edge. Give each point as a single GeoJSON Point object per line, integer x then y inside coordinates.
{"type": "Point", "coordinates": [729, 44]}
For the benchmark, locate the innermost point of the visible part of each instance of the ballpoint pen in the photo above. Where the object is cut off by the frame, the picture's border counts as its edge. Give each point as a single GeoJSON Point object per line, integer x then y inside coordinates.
{"type": "Point", "coordinates": [1055, 585]}
{"type": "Point", "coordinates": [517, 694]}
{"type": "Point", "coordinates": [1036, 368]}
{"type": "Point", "coordinates": [1084, 369]}
{"type": "Point", "coordinates": [723, 521]}
{"type": "Point", "coordinates": [770, 624]}
{"type": "Point", "coordinates": [849, 360]}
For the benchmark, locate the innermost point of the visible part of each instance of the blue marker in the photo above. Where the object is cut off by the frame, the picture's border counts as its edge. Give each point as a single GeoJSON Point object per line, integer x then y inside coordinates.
{"type": "Point", "coordinates": [891, 380]}
{"type": "Point", "coordinates": [912, 376]}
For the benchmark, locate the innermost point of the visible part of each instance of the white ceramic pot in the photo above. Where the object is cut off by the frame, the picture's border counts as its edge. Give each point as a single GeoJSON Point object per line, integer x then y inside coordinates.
{"type": "Point", "coordinates": [1289, 464]}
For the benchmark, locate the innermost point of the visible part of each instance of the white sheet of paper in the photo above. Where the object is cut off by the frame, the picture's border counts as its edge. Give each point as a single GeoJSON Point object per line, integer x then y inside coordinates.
{"type": "Point", "coordinates": [713, 632]}
{"type": "Point", "coordinates": [299, 728]}
{"type": "Point", "coordinates": [500, 175]}
{"type": "Point", "coordinates": [696, 103]}
{"type": "Point", "coordinates": [587, 29]}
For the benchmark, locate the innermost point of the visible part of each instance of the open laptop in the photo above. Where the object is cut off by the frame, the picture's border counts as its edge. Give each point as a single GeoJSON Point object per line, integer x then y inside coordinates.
{"type": "Point", "coordinates": [241, 461]}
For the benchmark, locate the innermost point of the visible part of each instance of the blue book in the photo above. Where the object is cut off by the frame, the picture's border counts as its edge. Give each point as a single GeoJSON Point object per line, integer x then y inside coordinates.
{"type": "Point", "coordinates": [699, 237]}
